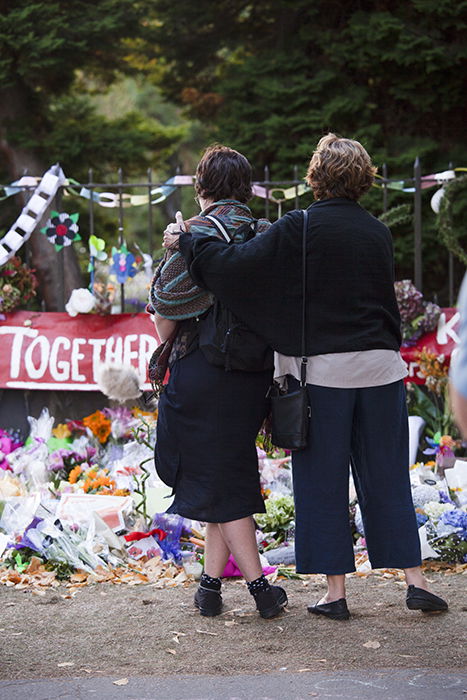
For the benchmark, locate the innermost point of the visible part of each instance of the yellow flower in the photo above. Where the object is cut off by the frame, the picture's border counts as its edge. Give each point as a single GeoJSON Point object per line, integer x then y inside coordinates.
{"type": "Point", "coordinates": [61, 431]}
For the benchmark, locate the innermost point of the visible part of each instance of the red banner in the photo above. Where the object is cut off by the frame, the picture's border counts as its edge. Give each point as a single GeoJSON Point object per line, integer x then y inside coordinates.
{"type": "Point", "coordinates": [55, 351]}
{"type": "Point", "coordinates": [443, 341]}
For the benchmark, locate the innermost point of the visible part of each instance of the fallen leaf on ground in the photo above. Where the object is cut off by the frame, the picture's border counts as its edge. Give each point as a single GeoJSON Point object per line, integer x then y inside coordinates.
{"type": "Point", "coordinates": [121, 681]}
{"type": "Point", "coordinates": [213, 634]}
{"type": "Point", "coordinates": [372, 645]}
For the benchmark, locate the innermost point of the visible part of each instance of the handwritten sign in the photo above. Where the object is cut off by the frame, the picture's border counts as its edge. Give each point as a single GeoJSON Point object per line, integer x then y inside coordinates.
{"type": "Point", "coordinates": [55, 351]}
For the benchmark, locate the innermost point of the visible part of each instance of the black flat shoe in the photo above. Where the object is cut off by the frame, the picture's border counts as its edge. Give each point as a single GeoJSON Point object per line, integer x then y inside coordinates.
{"type": "Point", "coordinates": [270, 603]}
{"type": "Point", "coordinates": [208, 602]}
{"type": "Point", "coordinates": [337, 610]}
{"type": "Point", "coordinates": [419, 599]}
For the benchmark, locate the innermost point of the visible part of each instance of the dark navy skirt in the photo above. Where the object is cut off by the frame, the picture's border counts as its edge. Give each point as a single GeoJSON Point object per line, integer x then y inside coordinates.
{"type": "Point", "coordinates": [205, 449]}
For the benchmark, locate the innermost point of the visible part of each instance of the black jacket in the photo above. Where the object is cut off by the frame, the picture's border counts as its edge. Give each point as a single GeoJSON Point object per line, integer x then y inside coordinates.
{"type": "Point", "coordinates": [351, 304]}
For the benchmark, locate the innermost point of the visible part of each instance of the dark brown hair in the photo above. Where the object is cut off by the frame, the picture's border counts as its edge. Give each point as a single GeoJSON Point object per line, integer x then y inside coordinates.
{"type": "Point", "coordinates": [223, 173]}
{"type": "Point", "coordinates": [340, 168]}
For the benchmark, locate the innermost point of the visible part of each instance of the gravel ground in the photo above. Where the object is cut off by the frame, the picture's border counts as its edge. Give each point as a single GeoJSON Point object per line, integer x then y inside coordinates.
{"type": "Point", "coordinates": [125, 631]}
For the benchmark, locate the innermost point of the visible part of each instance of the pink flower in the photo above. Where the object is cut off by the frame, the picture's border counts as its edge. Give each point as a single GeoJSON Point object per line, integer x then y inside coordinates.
{"type": "Point", "coordinates": [7, 445]}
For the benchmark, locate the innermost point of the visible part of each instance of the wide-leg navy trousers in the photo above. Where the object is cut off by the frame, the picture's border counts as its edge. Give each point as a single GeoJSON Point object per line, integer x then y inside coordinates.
{"type": "Point", "coordinates": [368, 429]}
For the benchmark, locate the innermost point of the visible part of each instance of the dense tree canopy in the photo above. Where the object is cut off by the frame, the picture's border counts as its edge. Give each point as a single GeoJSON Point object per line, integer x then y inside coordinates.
{"type": "Point", "coordinates": [272, 76]}
{"type": "Point", "coordinates": [52, 55]}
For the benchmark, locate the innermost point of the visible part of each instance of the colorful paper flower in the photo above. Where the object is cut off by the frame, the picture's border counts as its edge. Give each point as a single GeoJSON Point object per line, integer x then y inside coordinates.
{"type": "Point", "coordinates": [62, 229]}
{"type": "Point", "coordinates": [96, 248]}
{"type": "Point", "coordinates": [440, 445]}
{"type": "Point", "coordinates": [123, 265]}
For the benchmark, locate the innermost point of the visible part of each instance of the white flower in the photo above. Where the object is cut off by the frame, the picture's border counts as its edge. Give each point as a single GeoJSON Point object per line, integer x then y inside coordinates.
{"type": "Point", "coordinates": [435, 510]}
{"type": "Point", "coordinates": [80, 302]}
{"type": "Point", "coordinates": [424, 494]}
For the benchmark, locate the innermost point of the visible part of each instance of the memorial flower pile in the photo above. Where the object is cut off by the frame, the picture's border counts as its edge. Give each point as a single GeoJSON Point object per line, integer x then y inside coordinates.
{"type": "Point", "coordinates": [82, 499]}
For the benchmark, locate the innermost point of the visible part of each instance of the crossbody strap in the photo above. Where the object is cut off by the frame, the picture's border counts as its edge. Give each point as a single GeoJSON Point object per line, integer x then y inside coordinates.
{"type": "Point", "coordinates": [304, 363]}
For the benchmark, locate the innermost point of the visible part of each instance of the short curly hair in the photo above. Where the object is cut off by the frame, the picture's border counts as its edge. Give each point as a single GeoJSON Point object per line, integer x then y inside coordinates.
{"type": "Point", "coordinates": [223, 173]}
{"type": "Point", "coordinates": [340, 168]}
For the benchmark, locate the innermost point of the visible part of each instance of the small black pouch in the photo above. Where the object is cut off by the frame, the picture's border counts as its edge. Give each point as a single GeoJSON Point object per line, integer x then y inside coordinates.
{"type": "Point", "coordinates": [290, 417]}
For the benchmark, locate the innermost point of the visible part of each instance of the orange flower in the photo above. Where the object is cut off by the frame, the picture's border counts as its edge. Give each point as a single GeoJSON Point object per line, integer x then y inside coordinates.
{"type": "Point", "coordinates": [75, 474]}
{"type": "Point", "coordinates": [99, 425]}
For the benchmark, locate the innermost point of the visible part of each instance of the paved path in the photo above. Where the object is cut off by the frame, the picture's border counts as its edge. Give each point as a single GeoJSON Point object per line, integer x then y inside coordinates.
{"type": "Point", "coordinates": [385, 684]}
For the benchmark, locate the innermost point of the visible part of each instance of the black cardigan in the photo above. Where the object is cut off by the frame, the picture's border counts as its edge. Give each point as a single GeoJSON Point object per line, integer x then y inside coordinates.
{"type": "Point", "coordinates": [351, 304]}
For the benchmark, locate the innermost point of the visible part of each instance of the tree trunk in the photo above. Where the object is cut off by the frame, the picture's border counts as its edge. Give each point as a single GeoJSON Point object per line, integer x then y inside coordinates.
{"type": "Point", "coordinates": [15, 107]}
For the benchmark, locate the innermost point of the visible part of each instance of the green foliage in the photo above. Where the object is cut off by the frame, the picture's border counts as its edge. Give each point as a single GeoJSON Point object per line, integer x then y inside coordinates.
{"type": "Point", "coordinates": [397, 215]}
{"type": "Point", "coordinates": [433, 408]}
{"type": "Point", "coordinates": [279, 517]}
{"type": "Point", "coordinates": [452, 217]}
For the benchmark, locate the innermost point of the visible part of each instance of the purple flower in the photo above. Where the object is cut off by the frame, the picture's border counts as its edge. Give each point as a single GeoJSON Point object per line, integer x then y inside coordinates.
{"type": "Point", "coordinates": [444, 498]}
{"type": "Point", "coordinates": [458, 519]}
{"type": "Point", "coordinates": [421, 519]}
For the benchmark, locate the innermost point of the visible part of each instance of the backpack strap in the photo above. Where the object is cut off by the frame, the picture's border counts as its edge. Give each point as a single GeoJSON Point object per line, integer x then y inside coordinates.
{"type": "Point", "coordinates": [220, 227]}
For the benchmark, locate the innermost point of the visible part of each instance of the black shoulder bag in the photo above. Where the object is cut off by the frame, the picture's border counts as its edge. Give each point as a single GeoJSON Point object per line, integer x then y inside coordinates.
{"type": "Point", "coordinates": [291, 411]}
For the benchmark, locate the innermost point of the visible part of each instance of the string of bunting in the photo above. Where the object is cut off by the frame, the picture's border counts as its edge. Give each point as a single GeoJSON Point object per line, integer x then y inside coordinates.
{"type": "Point", "coordinates": [48, 185]}
{"type": "Point", "coordinates": [160, 193]}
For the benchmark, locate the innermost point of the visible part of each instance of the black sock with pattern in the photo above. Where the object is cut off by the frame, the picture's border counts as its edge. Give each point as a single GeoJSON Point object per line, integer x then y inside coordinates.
{"type": "Point", "coordinates": [212, 584]}
{"type": "Point", "coordinates": [258, 585]}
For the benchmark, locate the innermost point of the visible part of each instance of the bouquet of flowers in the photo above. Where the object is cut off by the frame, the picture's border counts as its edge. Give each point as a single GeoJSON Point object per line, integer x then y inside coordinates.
{"type": "Point", "coordinates": [417, 316]}
{"type": "Point", "coordinates": [17, 284]}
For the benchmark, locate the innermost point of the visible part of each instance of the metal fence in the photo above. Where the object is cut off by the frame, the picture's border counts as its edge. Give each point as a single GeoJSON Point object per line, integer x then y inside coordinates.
{"type": "Point", "coordinates": [274, 205]}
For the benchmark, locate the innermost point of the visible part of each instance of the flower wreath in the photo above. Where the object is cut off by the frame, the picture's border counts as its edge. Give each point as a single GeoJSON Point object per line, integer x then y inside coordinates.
{"type": "Point", "coordinates": [450, 235]}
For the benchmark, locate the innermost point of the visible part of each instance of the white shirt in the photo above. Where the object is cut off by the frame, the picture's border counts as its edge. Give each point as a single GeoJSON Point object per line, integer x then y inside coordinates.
{"type": "Point", "coordinates": [345, 370]}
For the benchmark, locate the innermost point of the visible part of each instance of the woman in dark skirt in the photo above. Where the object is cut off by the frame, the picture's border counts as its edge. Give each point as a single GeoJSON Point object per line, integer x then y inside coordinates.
{"type": "Point", "coordinates": [208, 417]}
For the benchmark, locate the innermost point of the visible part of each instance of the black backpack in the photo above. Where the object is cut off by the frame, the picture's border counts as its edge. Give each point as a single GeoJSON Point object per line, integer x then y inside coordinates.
{"type": "Point", "coordinates": [224, 340]}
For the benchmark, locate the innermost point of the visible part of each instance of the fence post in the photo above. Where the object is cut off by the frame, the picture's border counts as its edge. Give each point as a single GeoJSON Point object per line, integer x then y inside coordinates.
{"type": "Point", "coordinates": [451, 266]}
{"type": "Point", "coordinates": [295, 177]}
{"type": "Point", "coordinates": [91, 224]}
{"type": "Point", "coordinates": [266, 201]}
{"type": "Point", "coordinates": [150, 212]}
{"type": "Point", "coordinates": [384, 170]}
{"type": "Point", "coordinates": [61, 261]}
{"type": "Point", "coordinates": [120, 233]}
{"type": "Point", "coordinates": [418, 276]}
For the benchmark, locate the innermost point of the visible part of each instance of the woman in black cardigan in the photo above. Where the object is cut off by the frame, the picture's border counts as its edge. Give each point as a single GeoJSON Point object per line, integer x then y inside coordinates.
{"type": "Point", "coordinates": [355, 370]}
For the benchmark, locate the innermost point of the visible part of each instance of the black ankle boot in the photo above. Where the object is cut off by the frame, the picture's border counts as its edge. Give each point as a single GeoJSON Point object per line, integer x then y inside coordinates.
{"type": "Point", "coordinates": [270, 600]}
{"type": "Point", "coordinates": [208, 597]}
{"type": "Point", "coordinates": [270, 603]}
